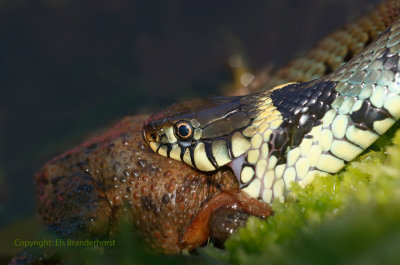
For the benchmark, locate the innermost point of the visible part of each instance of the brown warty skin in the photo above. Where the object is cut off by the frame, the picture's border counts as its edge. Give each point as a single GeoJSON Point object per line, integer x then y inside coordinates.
{"type": "Point", "coordinates": [84, 192]}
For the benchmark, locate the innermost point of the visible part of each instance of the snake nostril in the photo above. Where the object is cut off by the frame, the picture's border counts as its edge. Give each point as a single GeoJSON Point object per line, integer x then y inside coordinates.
{"type": "Point", "coordinates": [151, 136]}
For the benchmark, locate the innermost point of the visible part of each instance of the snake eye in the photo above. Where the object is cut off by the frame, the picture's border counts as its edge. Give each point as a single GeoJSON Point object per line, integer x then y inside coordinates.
{"type": "Point", "coordinates": [184, 130]}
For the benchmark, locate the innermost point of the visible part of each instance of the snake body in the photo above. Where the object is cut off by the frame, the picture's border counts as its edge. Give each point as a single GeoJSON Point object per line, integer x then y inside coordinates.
{"type": "Point", "coordinates": [293, 131]}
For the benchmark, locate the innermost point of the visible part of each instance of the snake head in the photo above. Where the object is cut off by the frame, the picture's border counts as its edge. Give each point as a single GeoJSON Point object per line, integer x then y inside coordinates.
{"type": "Point", "coordinates": [164, 129]}
{"type": "Point", "coordinates": [205, 134]}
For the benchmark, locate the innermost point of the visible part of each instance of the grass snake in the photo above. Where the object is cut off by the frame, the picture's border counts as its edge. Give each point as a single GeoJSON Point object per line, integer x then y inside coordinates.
{"type": "Point", "coordinates": [293, 131]}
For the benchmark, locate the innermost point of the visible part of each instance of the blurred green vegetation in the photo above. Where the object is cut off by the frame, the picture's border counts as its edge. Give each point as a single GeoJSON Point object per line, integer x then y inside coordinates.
{"type": "Point", "coordinates": [129, 250]}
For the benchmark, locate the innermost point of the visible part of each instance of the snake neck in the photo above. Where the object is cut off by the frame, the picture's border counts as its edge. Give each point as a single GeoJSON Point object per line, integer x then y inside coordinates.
{"type": "Point", "coordinates": [314, 128]}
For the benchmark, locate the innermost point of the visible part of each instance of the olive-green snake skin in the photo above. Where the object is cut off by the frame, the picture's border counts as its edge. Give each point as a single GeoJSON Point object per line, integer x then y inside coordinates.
{"type": "Point", "coordinates": [293, 131]}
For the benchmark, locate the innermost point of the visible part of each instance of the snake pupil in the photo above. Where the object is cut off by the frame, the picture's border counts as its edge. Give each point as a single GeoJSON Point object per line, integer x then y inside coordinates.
{"type": "Point", "coordinates": [183, 130]}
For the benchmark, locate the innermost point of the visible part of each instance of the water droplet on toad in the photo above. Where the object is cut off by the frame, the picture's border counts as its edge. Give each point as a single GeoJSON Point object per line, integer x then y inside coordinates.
{"type": "Point", "coordinates": [142, 163]}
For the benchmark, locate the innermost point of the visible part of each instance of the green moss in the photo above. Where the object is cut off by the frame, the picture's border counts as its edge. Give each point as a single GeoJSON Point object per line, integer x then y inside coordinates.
{"type": "Point", "coordinates": [350, 217]}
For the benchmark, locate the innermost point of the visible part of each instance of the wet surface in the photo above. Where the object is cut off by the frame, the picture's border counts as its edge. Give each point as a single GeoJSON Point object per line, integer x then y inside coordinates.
{"type": "Point", "coordinates": [69, 69]}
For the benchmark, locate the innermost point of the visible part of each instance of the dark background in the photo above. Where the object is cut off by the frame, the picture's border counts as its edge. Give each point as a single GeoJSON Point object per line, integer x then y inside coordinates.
{"type": "Point", "coordinates": [71, 67]}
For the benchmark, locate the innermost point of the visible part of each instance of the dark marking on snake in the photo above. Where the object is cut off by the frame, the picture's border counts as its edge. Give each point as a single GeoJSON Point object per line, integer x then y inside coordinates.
{"type": "Point", "coordinates": [302, 106]}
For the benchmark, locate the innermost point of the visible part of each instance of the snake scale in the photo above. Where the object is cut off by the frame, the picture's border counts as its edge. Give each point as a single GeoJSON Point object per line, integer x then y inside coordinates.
{"type": "Point", "coordinates": [294, 131]}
